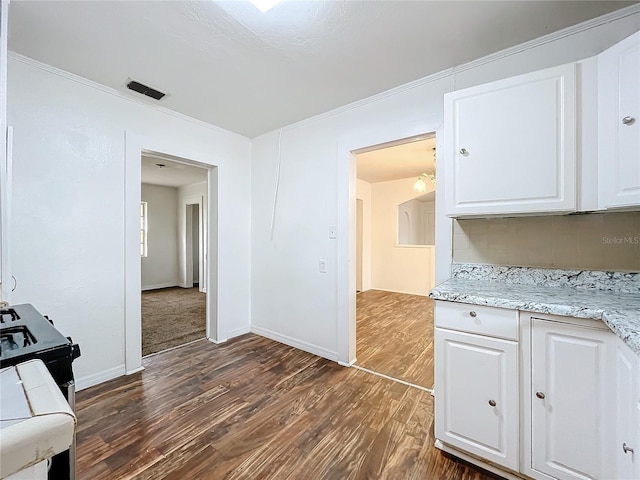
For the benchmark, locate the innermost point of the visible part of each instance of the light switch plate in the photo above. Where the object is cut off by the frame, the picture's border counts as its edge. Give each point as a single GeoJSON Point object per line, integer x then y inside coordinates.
{"type": "Point", "coordinates": [322, 266]}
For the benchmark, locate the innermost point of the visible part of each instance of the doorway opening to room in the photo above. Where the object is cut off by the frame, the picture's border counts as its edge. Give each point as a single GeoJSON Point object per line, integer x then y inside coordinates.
{"type": "Point", "coordinates": [395, 258]}
{"type": "Point", "coordinates": [173, 233]}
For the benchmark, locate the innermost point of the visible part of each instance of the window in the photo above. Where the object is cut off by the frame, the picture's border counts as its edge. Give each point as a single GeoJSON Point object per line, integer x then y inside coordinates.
{"type": "Point", "coordinates": [143, 229]}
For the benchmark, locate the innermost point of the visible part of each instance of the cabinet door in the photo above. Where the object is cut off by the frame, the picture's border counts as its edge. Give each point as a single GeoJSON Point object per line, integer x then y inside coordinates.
{"type": "Point", "coordinates": [619, 124]}
{"type": "Point", "coordinates": [510, 146]}
{"type": "Point", "coordinates": [476, 403]}
{"type": "Point", "coordinates": [627, 435]}
{"type": "Point", "coordinates": [5, 274]}
{"type": "Point", "coordinates": [571, 401]}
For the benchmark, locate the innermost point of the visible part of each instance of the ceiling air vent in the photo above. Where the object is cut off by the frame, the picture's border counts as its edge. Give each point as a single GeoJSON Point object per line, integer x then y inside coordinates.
{"type": "Point", "coordinates": [145, 90]}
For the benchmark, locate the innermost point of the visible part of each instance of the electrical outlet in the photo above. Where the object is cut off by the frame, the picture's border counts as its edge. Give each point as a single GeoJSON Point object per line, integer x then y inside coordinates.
{"type": "Point", "coordinates": [322, 266]}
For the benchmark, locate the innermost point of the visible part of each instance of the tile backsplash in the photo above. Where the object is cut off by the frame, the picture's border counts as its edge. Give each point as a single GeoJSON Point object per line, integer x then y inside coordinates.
{"type": "Point", "coordinates": [595, 241]}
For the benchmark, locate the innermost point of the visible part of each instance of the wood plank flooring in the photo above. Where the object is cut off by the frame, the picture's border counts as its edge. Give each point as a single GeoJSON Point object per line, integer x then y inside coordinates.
{"type": "Point", "coordinates": [394, 335]}
{"type": "Point", "coordinates": [256, 409]}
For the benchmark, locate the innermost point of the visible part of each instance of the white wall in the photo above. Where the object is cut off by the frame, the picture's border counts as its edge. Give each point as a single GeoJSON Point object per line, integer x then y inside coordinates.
{"type": "Point", "coordinates": [397, 268]}
{"type": "Point", "coordinates": [291, 301]}
{"type": "Point", "coordinates": [160, 266]}
{"type": "Point", "coordinates": [68, 216]}
{"type": "Point", "coordinates": [364, 193]}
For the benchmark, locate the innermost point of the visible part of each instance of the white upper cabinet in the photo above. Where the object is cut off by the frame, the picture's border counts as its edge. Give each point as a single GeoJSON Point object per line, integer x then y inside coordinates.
{"type": "Point", "coordinates": [619, 124]}
{"type": "Point", "coordinates": [510, 145]}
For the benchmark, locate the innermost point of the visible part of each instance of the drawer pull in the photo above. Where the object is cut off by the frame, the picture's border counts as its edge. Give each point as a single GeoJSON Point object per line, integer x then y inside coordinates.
{"type": "Point", "coordinates": [626, 448]}
{"type": "Point", "coordinates": [492, 403]}
{"type": "Point", "coordinates": [540, 395]}
{"type": "Point", "coordinates": [473, 314]}
{"type": "Point", "coordinates": [628, 121]}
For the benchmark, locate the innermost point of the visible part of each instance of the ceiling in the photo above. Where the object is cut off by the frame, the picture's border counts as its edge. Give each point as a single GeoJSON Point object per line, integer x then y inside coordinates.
{"type": "Point", "coordinates": [173, 174]}
{"type": "Point", "coordinates": [227, 64]}
{"type": "Point", "coordinates": [396, 162]}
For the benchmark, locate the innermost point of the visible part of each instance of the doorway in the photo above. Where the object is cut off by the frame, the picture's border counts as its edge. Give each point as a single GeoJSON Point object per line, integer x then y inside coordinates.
{"type": "Point", "coordinates": [395, 258]}
{"type": "Point", "coordinates": [173, 271]}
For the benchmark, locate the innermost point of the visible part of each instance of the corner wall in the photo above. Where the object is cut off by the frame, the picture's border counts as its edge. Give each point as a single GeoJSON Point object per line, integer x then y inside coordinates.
{"type": "Point", "coordinates": [290, 300]}
{"type": "Point", "coordinates": [160, 266]}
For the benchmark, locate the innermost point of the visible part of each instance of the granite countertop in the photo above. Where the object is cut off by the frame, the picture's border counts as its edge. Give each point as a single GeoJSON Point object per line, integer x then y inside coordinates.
{"type": "Point", "coordinates": [612, 297]}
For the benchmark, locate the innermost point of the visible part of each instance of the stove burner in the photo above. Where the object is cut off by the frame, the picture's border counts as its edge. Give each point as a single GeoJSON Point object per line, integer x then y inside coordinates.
{"type": "Point", "coordinates": [15, 338]}
{"type": "Point", "coordinates": [8, 315]}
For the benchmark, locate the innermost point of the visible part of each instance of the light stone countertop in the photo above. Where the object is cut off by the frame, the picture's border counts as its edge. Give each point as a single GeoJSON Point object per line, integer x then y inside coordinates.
{"type": "Point", "coordinates": [612, 297]}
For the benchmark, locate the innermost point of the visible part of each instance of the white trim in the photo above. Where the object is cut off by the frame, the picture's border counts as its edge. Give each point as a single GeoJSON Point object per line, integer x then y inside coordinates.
{"type": "Point", "coordinates": [507, 52]}
{"type": "Point", "coordinates": [551, 37]}
{"type": "Point", "coordinates": [236, 332]}
{"type": "Point", "coordinates": [100, 377]}
{"type": "Point", "coordinates": [133, 149]}
{"type": "Point", "coordinates": [167, 350]}
{"type": "Point", "coordinates": [349, 364]}
{"type": "Point", "coordinates": [394, 379]}
{"type": "Point", "coordinates": [160, 285]}
{"type": "Point", "coordinates": [293, 342]}
{"type": "Point", "coordinates": [475, 461]}
{"type": "Point", "coordinates": [112, 91]}
{"type": "Point", "coordinates": [139, 369]}
{"type": "Point", "coordinates": [401, 291]}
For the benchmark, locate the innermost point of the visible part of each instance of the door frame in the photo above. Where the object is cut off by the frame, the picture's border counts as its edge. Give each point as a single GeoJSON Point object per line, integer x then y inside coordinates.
{"type": "Point", "coordinates": [346, 247]}
{"type": "Point", "coordinates": [202, 287]}
{"type": "Point", "coordinates": [135, 146]}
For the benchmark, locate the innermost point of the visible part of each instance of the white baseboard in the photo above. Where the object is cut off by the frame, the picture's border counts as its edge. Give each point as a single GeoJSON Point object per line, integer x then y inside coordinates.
{"type": "Point", "coordinates": [96, 378]}
{"type": "Point", "coordinates": [135, 370]}
{"type": "Point", "coordinates": [158, 286]}
{"type": "Point", "coordinates": [239, 331]}
{"type": "Point", "coordinates": [293, 342]}
{"type": "Point", "coordinates": [217, 342]}
{"type": "Point", "coordinates": [347, 364]}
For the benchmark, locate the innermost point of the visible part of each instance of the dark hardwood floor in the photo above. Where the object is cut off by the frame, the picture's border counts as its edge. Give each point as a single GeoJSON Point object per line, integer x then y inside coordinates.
{"type": "Point", "coordinates": [256, 409]}
{"type": "Point", "coordinates": [394, 335]}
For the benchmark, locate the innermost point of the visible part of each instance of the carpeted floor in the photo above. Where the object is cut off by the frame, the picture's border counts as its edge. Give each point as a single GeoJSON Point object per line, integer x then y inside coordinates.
{"type": "Point", "coordinates": [172, 316]}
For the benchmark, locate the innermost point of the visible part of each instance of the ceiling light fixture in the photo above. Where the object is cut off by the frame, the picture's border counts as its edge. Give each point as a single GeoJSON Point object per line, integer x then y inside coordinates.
{"type": "Point", "coordinates": [421, 182]}
{"type": "Point", "coordinates": [264, 5]}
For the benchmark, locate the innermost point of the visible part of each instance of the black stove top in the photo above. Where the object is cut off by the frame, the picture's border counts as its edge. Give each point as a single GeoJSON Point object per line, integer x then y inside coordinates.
{"type": "Point", "coordinates": [25, 334]}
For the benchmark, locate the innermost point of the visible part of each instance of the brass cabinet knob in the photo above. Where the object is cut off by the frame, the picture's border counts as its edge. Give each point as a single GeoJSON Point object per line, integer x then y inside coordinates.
{"type": "Point", "coordinates": [492, 403]}
{"type": "Point", "coordinates": [540, 395]}
{"type": "Point", "coordinates": [473, 314]}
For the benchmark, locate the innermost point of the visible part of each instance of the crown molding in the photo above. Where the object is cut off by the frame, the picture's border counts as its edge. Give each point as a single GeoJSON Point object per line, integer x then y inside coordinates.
{"type": "Point", "coordinates": [551, 37]}
{"type": "Point", "coordinates": [507, 52]}
{"type": "Point", "coordinates": [117, 93]}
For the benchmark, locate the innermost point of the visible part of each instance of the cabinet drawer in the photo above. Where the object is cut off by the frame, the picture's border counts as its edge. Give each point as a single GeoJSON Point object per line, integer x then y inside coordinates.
{"type": "Point", "coordinates": [464, 317]}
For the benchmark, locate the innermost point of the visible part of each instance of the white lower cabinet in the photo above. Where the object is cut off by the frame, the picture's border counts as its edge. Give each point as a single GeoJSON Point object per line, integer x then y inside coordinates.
{"type": "Point", "coordinates": [627, 404]}
{"type": "Point", "coordinates": [477, 400]}
{"type": "Point", "coordinates": [560, 400]}
{"type": "Point", "coordinates": [571, 404]}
